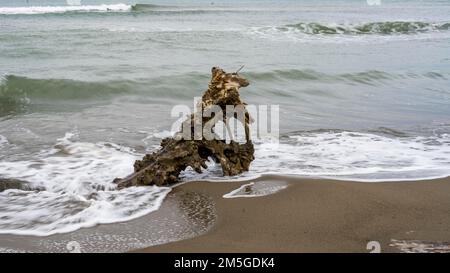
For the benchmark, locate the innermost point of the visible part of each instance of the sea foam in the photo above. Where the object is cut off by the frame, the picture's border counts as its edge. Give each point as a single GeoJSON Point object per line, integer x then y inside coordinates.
{"type": "Point", "coordinates": [77, 177]}
{"type": "Point", "coordinates": [346, 155]}
{"type": "Point", "coordinates": [3, 141]}
{"type": "Point", "coordinates": [258, 189]}
{"type": "Point", "coordinates": [369, 32]}
{"type": "Point", "coordinates": [62, 9]}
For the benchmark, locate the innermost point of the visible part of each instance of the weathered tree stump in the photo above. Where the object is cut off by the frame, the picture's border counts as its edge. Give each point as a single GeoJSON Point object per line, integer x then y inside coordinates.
{"type": "Point", "coordinates": [191, 148]}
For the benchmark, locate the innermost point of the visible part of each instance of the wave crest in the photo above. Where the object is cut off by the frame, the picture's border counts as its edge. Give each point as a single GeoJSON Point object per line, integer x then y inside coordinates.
{"type": "Point", "coordinates": [146, 7]}
{"type": "Point", "coordinates": [17, 92]}
{"type": "Point", "coordinates": [384, 28]}
{"type": "Point", "coordinates": [64, 9]}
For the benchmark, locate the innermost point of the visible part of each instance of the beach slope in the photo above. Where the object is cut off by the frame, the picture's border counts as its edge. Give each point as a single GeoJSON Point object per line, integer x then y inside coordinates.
{"type": "Point", "coordinates": [316, 215]}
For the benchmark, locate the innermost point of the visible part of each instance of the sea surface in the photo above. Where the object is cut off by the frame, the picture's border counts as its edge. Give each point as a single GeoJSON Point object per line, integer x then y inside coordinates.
{"type": "Point", "coordinates": [87, 87]}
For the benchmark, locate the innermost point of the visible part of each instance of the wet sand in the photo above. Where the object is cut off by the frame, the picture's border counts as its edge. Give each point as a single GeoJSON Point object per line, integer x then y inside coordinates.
{"type": "Point", "coordinates": [182, 215]}
{"type": "Point", "coordinates": [317, 215]}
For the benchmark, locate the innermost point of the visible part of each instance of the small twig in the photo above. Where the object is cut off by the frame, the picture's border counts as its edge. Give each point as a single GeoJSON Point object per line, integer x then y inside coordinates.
{"type": "Point", "coordinates": [240, 68]}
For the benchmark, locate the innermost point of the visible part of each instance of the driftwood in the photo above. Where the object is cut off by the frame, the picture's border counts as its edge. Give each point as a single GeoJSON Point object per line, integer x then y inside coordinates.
{"type": "Point", "coordinates": [191, 147]}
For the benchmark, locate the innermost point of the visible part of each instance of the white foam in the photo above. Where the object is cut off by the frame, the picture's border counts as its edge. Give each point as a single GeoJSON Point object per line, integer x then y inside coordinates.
{"type": "Point", "coordinates": [348, 155]}
{"type": "Point", "coordinates": [258, 189]}
{"type": "Point", "coordinates": [361, 156]}
{"type": "Point", "coordinates": [3, 141]}
{"type": "Point", "coordinates": [62, 9]}
{"type": "Point", "coordinates": [163, 134]}
{"type": "Point", "coordinates": [79, 191]}
{"type": "Point", "coordinates": [416, 246]}
{"type": "Point", "coordinates": [291, 34]}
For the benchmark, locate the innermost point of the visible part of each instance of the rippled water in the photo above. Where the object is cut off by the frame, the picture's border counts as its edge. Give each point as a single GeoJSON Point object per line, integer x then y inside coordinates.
{"type": "Point", "coordinates": [87, 89]}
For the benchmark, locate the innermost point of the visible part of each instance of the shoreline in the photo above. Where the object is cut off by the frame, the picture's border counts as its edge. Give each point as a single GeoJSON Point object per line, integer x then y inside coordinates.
{"type": "Point", "coordinates": [322, 215]}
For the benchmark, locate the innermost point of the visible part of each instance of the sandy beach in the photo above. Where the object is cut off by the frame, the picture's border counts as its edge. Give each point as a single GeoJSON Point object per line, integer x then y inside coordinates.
{"type": "Point", "coordinates": [317, 215]}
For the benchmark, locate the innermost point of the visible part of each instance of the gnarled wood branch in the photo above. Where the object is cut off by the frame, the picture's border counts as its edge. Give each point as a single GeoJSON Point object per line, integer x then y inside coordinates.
{"type": "Point", "coordinates": [164, 166]}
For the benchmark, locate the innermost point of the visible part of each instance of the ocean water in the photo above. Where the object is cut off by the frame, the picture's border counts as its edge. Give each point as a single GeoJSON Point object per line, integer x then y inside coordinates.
{"type": "Point", "coordinates": [87, 87]}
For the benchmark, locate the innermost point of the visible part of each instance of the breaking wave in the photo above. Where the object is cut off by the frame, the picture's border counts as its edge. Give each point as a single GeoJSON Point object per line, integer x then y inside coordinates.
{"type": "Point", "coordinates": [348, 155]}
{"type": "Point", "coordinates": [77, 176]}
{"type": "Point", "coordinates": [64, 9]}
{"type": "Point", "coordinates": [18, 93]}
{"type": "Point", "coordinates": [135, 8]}
{"type": "Point", "coordinates": [112, 8]}
{"type": "Point", "coordinates": [353, 32]}
{"type": "Point", "coordinates": [147, 7]}
{"type": "Point", "coordinates": [17, 86]}
{"type": "Point", "coordinates": [385, 28]}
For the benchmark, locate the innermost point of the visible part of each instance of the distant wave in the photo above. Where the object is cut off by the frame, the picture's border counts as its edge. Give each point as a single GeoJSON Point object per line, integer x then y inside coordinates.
{"type": "Point", "coordinates": [385, 28]}
{"type": "Point", "coordinates": [18, 92]}
{"type": "Point", "coordinates": [147, 7]}
{"type": "Point", "coordinates": [19, 88]}
{"type": "Point", "coordinates": [58, 88]}
{"type": "Point", "coordinates": [369, 77]}
{"type": "Point", "coordinates": [63, 9]}
{"type": "Point", "coordinates": [116, 8]}
{"type": "Point", "coordinates": [138, 8]}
